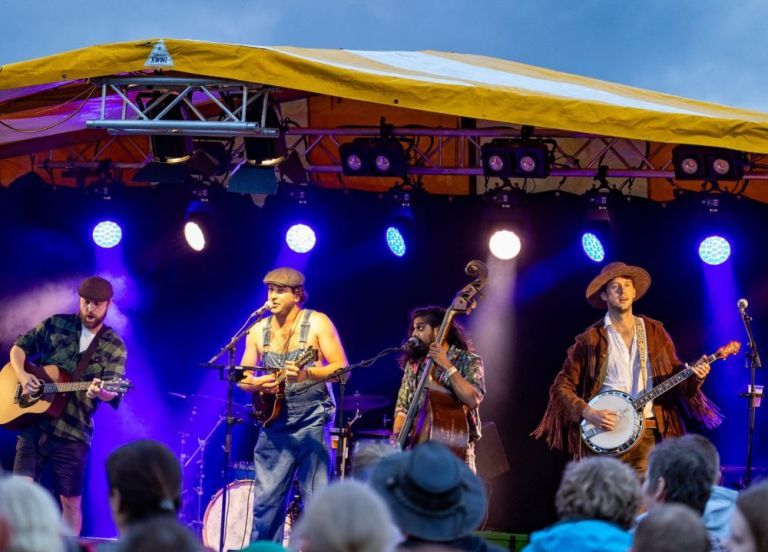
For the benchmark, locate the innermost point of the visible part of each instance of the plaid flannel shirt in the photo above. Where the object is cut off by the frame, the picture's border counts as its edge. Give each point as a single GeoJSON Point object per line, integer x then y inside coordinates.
{"type": "Point", "coordinates": [470, 366]}
{"type": "Point", "coordinates": [56, 341]}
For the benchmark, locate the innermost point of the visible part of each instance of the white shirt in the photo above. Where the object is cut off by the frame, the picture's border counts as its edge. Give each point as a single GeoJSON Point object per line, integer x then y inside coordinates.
{"type": "Point", "coordinates": [623, 371]}
{"type": "Point", "coordinates": [85, 338]}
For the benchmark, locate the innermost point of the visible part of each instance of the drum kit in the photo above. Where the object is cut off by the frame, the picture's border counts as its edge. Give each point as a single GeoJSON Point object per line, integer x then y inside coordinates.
{"type": "Point", "coordinates": [240, 487]}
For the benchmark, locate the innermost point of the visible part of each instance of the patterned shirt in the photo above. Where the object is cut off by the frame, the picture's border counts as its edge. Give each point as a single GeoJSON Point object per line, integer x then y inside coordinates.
{"type": "Point", "coordinates": [470, 366]}
{"type": "Point", "coordinates": [56, 341]}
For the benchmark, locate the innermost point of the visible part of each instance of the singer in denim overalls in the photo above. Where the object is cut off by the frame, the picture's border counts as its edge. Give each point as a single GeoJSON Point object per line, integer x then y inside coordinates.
{"type": "Point", "coordinates": [296, 444]}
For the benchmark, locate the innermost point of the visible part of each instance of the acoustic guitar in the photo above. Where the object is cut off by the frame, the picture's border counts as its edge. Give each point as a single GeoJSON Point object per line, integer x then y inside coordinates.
{"type": "Point", "coordinates": [18, 409]}
{"type": "Point", "coordinates": [267, 406]}
{"type": "Point", "coordinates": [631, 422]}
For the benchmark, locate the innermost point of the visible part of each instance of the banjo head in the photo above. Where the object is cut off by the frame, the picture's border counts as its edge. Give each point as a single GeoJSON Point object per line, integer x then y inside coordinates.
{"type": "Point", "coordinates": [628, 428]}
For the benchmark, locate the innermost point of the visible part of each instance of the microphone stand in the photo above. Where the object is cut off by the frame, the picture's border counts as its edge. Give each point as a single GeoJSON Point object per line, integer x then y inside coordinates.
{"type": "Point", "coordinates": [231, 371]}
{"type": "Point", "coordinates": [753, 362]}
{"type": "Point", "coordinates": [340, 375]}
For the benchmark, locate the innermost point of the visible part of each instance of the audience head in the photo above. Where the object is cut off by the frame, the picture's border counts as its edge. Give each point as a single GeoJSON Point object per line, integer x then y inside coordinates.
{"type": "Point", "coordinates": [601, 488]}
{"type": "Point", "coordinates": [749, 524]}
{"type": "Point", "coordinates": [432, 494]}
{"type": "Point", "coordinates": [32, 518]}
{"type": "Point", "coordinates": [677, 472]}
{"type": "Point", "coordinates": [708, 451]}
{"type": "Point", "coordinates": [671, 528]}
{"type": "Point", "coordinates": [347, 516]}
{"type": "Point", "coordinates": [366, 455]}
{"type": "Point", "coordinates": [144, 480]}
{"type": "Point", "coordinates": [159, 534]}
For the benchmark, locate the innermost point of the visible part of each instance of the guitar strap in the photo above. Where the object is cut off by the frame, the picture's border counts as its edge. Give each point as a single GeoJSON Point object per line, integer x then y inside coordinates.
{"type": "Point", "coordinates": [85, 358]}
{"type": "Point", "coordinates": [642, 351]}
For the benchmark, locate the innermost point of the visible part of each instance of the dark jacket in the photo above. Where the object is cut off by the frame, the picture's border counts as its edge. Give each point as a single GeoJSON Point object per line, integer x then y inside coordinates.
{"type": "Point", "coordinates": [583, 374]}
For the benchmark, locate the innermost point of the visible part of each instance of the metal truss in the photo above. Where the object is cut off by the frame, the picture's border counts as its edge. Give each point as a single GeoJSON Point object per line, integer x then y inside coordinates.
{"type": "Point", "coordinates": [228, 121]}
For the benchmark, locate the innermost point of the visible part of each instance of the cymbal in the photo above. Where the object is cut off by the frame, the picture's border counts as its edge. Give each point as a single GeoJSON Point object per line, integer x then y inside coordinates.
{"type": "Point", "coordinates": [357, 401]}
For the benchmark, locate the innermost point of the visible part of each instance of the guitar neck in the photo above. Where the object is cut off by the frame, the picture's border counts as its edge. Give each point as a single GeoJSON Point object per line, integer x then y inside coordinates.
{"type": "Point", "coordinates": [668, 384]}
{"type": "Point", "coordinates": [68, 387]}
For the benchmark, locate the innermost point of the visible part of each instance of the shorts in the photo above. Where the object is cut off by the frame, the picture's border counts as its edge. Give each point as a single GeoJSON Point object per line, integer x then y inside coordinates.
{"type": "Point", "coordinates": [67, 460]}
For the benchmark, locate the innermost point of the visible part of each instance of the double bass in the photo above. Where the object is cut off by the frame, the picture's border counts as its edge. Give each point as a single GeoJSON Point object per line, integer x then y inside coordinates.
{"type": "Point", "coordinates": [441, 416]}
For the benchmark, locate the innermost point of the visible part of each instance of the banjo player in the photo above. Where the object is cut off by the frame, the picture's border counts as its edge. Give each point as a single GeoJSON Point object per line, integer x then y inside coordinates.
{"type": "Point", "coordinates": [624, 353]}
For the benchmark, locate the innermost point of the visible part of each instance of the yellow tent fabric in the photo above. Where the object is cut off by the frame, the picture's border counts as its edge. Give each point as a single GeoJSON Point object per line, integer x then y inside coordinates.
{"type": "Point", "coordinates": [448, 83]}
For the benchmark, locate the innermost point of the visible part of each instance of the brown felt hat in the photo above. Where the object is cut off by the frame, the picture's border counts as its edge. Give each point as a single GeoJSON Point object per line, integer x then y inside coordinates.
{"type": "Point", "coordinates": [284, 276]}
{"type": "Point", "coordinates": [95, 288]}
{"type": "Point", "coordinates": [639, 276]}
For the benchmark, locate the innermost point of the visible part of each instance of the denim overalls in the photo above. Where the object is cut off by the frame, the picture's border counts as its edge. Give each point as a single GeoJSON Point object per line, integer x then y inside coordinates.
{"type": "Point", "coordinates": [296, 444]}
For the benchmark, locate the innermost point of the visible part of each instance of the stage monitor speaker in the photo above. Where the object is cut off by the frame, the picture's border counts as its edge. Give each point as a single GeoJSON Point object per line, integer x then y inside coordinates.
{"type": "Point", "coordinates": [491, 460]}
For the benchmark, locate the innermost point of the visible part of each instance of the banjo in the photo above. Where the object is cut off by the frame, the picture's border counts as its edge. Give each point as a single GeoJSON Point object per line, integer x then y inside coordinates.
{"type": "Point", "coordinates": [630, 422]}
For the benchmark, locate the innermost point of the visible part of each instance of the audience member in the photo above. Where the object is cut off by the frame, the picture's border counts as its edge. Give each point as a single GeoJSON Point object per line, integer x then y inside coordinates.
{"type": "Point", "coordinates": [32, 518]}
{"type": "Point", "coordinates": [434, 497]}
{"type": "Point", "coordinates": [346, 516]}
{"type": "Point", "coordinates": [678, 472]}
{"type": "Point", "coordinates": [749, 524]}
{"type": "Point", "coordinates": [144, 479]}
{"type": "Point", "coordinates": [596, 502]}
{"type": "Point", "coordinates": [719, 507]}
{"type": "Point", "coordinates": [671, 528]}
{"type": "Point", "coordinates": [366, 454]}
{"type": "Point", "coordinates": [158, 534]}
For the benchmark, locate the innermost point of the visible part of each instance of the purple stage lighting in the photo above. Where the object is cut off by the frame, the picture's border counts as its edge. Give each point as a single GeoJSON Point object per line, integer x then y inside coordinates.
{"type": "Point", "coordinates": [300, 238]}
{"type": "Point", "coordinates": [714, 250]}
{"type": "Point", "coordinates": [107, 234]}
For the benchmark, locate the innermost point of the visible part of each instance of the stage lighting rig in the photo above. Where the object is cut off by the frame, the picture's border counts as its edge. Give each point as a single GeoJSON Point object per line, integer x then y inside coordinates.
{"type": "Point", "coordinates": [708, 164]}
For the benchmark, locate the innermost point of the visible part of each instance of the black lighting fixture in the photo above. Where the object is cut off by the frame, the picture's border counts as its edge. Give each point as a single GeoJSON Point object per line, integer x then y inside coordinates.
{"type": "Point", "coordinates": [263, 151]}
{"type": "Point", "coordinates": [708, 163]}
{"type": "Point", "coordinates": [373, 157]}
{"type": "Point", "coordinates": [522, 158]}
{"type": "Point", "coordinates": [169, 152]}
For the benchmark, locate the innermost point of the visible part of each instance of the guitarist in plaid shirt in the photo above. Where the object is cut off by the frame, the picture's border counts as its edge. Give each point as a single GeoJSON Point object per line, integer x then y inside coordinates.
{"type": "Point", "coordinates": [63, 340]}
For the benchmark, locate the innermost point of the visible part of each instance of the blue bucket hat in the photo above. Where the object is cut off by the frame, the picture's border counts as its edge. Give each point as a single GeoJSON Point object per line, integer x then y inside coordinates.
{"type": "Point", "coordinates": [432, 494]}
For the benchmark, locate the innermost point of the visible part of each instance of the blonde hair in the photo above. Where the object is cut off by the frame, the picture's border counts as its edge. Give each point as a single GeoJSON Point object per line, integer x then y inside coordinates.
{"type": "Point", "coordinates": [33, 515]}
{"type": "Point", "coordinates": [345, 516]}
{"type": "Point", "coordinates": [599, 488]}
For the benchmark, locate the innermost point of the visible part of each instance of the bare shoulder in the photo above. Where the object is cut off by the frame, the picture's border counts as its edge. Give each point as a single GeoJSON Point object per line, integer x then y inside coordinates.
{"type": "Point", "coordinates": [320, 320]}
{"type": "Point", "coordinates": [257, 330]}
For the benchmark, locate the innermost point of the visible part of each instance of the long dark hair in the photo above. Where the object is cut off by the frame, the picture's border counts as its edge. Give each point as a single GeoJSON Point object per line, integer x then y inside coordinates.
{"type": "Point", "coordinates": [148, 477]}
{"type": "Point", "coordinates": [457, 336]}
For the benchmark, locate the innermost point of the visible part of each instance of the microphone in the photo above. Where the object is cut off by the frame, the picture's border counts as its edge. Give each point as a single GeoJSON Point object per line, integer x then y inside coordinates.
{"type": "Point", "coordinates": [261, 310]}
{"type": "Point", "coordinates": [742, 304]}
{"type": "Point", "coordinates": [412, 342]}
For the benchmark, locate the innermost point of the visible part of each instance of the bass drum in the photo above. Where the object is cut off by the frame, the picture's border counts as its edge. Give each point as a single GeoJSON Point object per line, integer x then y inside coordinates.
{"type": "Point", "coordinates": [239, 520]}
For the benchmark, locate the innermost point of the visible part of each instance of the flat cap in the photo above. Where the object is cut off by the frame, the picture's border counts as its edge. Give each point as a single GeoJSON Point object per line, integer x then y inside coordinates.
{"type": "Point", "coordinates": [95, 288]}
{"type": "Point", "coordinates": [284, 276]}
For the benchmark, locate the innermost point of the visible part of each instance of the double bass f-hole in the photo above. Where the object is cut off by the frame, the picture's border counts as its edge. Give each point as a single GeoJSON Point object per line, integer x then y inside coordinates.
{"type": "Point", "coordinates": [464, 302]}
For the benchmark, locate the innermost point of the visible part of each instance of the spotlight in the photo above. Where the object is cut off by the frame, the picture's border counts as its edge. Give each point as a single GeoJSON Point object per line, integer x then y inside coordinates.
{"type": "Point", "coordinates": [265, 152]}
{"type": "Point", "coordinates": [198, 222]}
{"type": "Point", "coordinates": [505, 158]}
{"type": "Point", "coordinates": [300, 238]}
{"type": "Point", "coordinates": [593, 247]}
{"type": "Point", "coordinates": [169, 149]}
{"type": "Point", "coordinates": [373, 157]}
{"type": "Point", "coordinates": [107, 234]}
{"type": "Point", "coordinates": [714, 250]}
{"type": "Point", "coordinates": [707, 163]}
{"type": "Point", "coordinates": [194, 235]}
{"type": "Point", "coordinates": [395, 241]}
{"type": "Point", "coordinates": [504, 245]}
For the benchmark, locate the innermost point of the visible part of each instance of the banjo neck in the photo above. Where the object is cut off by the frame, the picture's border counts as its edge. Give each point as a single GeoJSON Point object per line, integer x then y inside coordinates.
{"type": "Point", "coordinates": [639, 402]}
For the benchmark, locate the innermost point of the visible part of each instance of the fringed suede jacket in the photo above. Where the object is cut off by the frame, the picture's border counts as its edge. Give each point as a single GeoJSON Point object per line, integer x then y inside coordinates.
{"type": "Point", "coordinates": [582, 377]}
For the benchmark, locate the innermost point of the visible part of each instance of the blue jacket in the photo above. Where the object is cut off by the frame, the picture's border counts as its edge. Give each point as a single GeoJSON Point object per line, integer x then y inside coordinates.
{"type": "Point", "coordinates": [580, 536]}
{"type": "Point", "coordinates": [717, 514]}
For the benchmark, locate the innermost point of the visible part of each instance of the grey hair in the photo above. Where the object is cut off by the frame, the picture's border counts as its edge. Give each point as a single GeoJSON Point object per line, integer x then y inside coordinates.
{"type": "Point", "coordinates": [599, 488]}
{"type": "Point", "coordinates": [669, 528]}
{"type": "Point", "coordinates": [345, 516]}
{"type": "Point", "coordinates": [33, 516]}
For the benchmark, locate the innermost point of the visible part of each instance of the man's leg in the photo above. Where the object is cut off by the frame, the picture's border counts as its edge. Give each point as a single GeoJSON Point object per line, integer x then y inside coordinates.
{"type": "Point", "coordinates": [274, 465]}
{"type": "Point", "coordinates": [314, 469]}
{"type": "Point", "coordinates": [72, 513]}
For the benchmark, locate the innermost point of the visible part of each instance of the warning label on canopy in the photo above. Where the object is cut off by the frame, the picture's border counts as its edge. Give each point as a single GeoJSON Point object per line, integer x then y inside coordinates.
{"type": "Point", "coordinates": [159, 56]}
